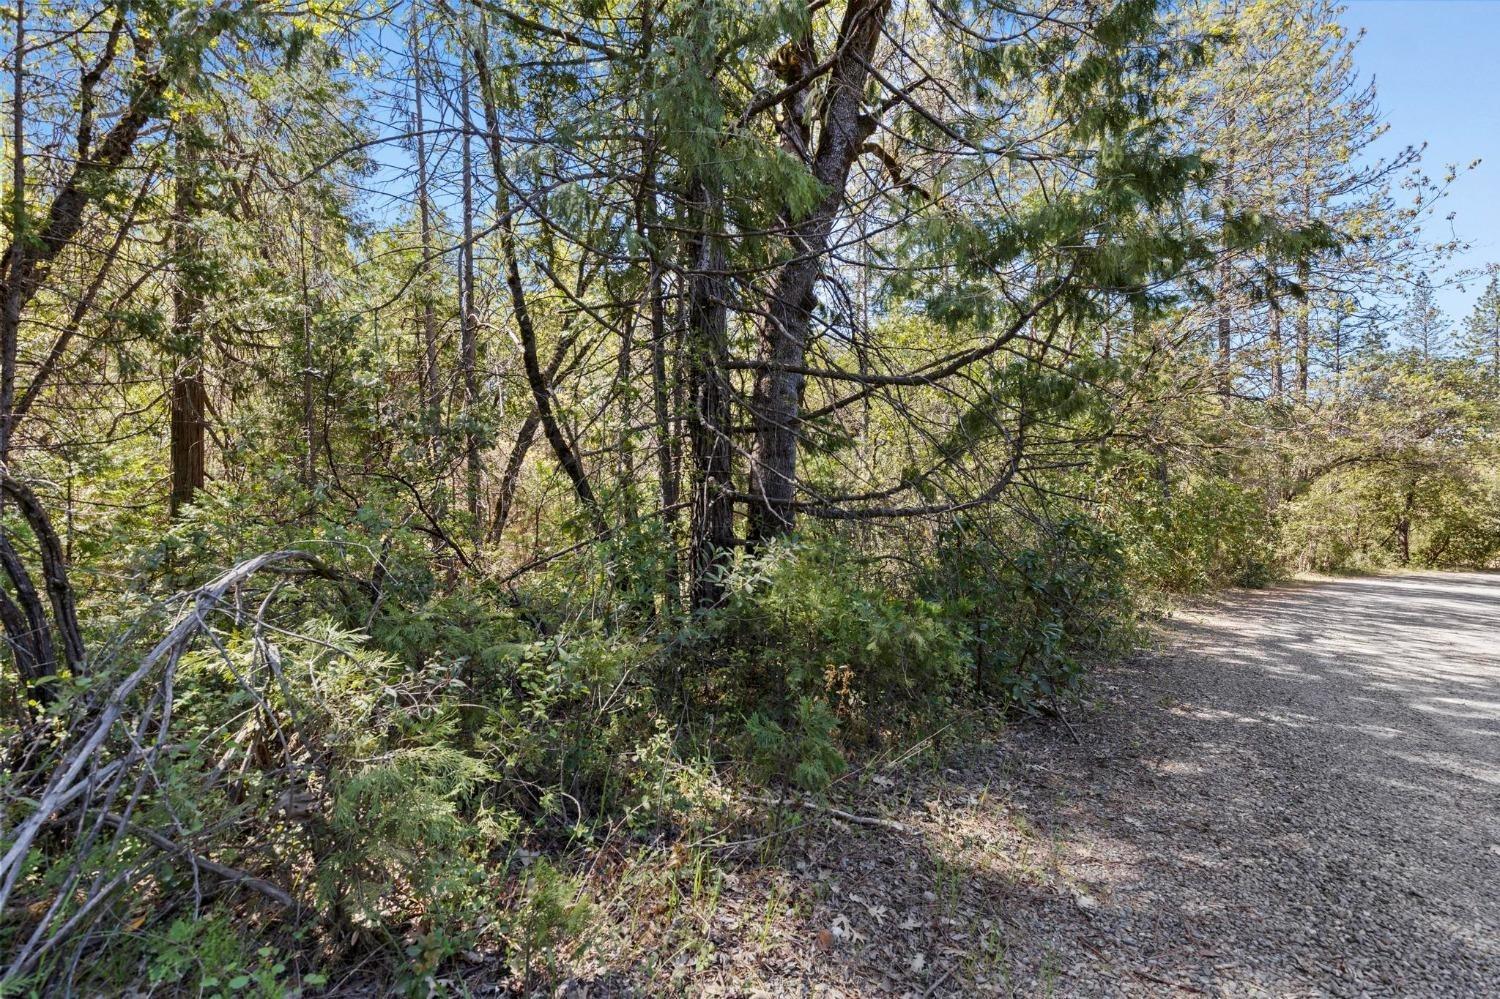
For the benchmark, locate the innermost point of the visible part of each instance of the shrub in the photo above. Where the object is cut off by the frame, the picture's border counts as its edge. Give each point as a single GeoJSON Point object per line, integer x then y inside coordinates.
{"type": "Point", "coordinates": [808, 619]}
{"type": "Point", "coordinates": [1194, 534]}
{"type": "Point", "coordinates": [1035, 614]}
{"type": "Point", "coordinates": [803, 752]}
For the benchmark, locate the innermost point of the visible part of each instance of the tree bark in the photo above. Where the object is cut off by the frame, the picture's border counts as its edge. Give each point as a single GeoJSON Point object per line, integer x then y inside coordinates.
{"type": "Point", "coordinates": [54, 568]}
{"type": "Point", "coordinates": [1403, 524]}
{"type": "Point", "coordinates": [843, 128]}
{"type": "Point", "coordinates": [706, 353]}
{"type": "Point", "coordinates": [468, 340]}
{"type": "Point", "coordinates": [427, 318]}
{"type": "Point", "coordinates": [1277, 374]}
{"type": "Point", "coordinates": [309, 405]}
{"type": "Point", "coordinates": [10, 321]}
{"type": "Point", "coordinates": [1304, 330]}
{"type": "Point", "coordinates": [1226, 277]}
{"type": "Point", "coordinates": [188, 397]}
{"type": "Point", "coordinates": [647, 227]}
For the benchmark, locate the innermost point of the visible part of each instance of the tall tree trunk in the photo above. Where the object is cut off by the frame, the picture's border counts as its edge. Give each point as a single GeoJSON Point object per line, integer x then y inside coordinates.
{"type": "Point", "coordinates": [1337, 345]}
{"type": "Point", "coordinates": [648, 230]}
{"type": "Point", "coordinates": [1226, 358]}
{"type": "Point", "coordinates": [431, 382]}
{"type": "Point", "coordinates": [1304, 276]}
{"type": "Point", "coordinates": [1304, 329]}
{"type": "Point", "coordinates": [189, 403]}
{"type": "Point", "coordinates": [706, 354]}
{"type": "Point", "coordinates": [309, 407]}
{"type": "Point", "coordinates": [1226, 275]}
{"type": "Point", "coordinates": [188, 397]}
{"type": "Point", "coordinates": [468, 344]}
{"type": "Point", "coordinates": [666, 467]}
{"type": "Point", "coordinates": [10, 322]}
{"type": "Point", "coordinates": [1278, 385]}
{"type": "Point", "coordinates": [843, 129]}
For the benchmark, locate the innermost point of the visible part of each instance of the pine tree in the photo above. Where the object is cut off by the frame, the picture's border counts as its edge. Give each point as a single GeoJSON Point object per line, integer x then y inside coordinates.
{"type": "Point", "coordinates": [1425, 327]}
{"type": "Point", "coordinates": [1310, 231]}
{"type": "Point", "coordinates": [1481, 335]}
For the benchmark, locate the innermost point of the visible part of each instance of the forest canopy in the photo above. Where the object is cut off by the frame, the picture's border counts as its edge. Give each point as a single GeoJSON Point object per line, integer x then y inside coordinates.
{"type": "Point", "coordinates": [434, 432]}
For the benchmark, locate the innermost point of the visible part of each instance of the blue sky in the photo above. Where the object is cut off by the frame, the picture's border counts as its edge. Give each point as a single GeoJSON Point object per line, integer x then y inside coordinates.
{"type": "Point", "coordinates": [1436, 65]}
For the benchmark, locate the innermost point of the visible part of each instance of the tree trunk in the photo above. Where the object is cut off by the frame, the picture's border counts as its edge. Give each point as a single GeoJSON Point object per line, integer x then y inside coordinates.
{"type": "Point", "coordinates": [843, 129]}
{"type": "Point", "coordinates": [468, 342]}
{"type": "Point", "coordinates": [707, 357]}
{"type": "Point", "coordinates": [647, 228]}
{"type": "Point", "coordinates": [1225, 280]}
{"type": "Point", "coordinates": [541, 388]}
{"type": "Point", "coordinates": [309, 405]}
{"type": "Point", "coordinates": [511, 475]}
{"type": "Point", "coordinates": [431, 386]}
{"type": "Point", "coordinates": [1304, 279]}
{"type": "Point", "coordinates": [1277, 384]}
{"type": "Point", "coordinates": [28, 261]}
{"type": "Point", "coordinates": [1403, 525]}
{"type": "Point", "coordinates": [188, 400]}
{"type": "Point", "coordinates": [10, 321]}
{"type": "Point", "coordinates": [1304, 330]}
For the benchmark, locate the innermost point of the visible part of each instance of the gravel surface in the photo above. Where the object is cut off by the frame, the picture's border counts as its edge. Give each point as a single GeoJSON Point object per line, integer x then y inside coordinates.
{"type": "Point", "coordinates": [1297, 795]}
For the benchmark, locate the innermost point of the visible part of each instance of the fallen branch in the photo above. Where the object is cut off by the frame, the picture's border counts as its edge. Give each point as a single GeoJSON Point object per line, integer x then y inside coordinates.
{"type": "Point", "coordinates": [230, 875]}
{"type": "Point", "coordinates": [837, 813]}
{"type": "Point", "coordinates": [79, 770]}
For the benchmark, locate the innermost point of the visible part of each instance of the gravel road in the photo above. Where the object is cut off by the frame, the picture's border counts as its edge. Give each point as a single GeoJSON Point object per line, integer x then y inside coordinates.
{"type": "Point", "coordinates": [1300, 795]}
{"type": "Point", "coordinates": [1297, 794]}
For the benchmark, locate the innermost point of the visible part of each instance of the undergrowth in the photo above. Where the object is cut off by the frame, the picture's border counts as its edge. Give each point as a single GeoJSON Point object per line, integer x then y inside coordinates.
{"type": "Point", "coordinates": [401, 783]}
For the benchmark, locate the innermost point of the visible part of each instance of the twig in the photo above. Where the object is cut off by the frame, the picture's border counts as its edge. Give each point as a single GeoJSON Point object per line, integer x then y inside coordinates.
{"type": "Point", "coordinates": [932, 989]}
{"type": "Point", "coordinates": [1057, 713]}
{"type": "Point", "coordinates": [838, 813]}
{"type": "Point", "coordinates": [224, 872]}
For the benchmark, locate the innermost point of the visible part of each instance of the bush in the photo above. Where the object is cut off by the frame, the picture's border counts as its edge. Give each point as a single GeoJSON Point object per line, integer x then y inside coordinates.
{"type": "Point", "coordinates": [806, 755]}
{"type": "Point", "coordinates": [808, 621]}
{"type": "Point", "coordinates": [1194, 534]}
{"type": "Point", "coordinates": [1033, 616]}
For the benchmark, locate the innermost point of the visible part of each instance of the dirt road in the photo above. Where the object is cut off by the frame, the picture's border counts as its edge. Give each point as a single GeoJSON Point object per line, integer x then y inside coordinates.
{"type": "Point", "coordinates": [1297, 795]}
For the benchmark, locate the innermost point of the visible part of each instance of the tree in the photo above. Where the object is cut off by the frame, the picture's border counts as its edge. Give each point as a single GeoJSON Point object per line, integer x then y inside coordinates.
{"type": "Point", "coordinates": [64, 216]}
{"type": "Point", "coordinates": [1481, 337]}
{"type": "Point", "coordinates": [1310, 231]}
{"type": "Point", "coordinates": [1425, 326]}
{"type": "Point", "coordinates": [188, 405]}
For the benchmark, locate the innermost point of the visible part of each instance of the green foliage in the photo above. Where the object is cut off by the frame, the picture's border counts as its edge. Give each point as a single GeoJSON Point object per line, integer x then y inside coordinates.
{"type": "Point", "coordinates": [1033, 615]}
{"type": "Point", "coordinates": [1017, 425]}
{"type": "Point", "coordinates": [808, 618]}
{"type": "Point", "coordinates": [803, 753]}
{"type": "Point", "coordinates": [1406, 476]}
{"type": "Point", "coordinates": [550, 912]}
{"type": "Point", "coordinates": [1191, 534]}
{"type": "Point", "coordinates": [209, 956]}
